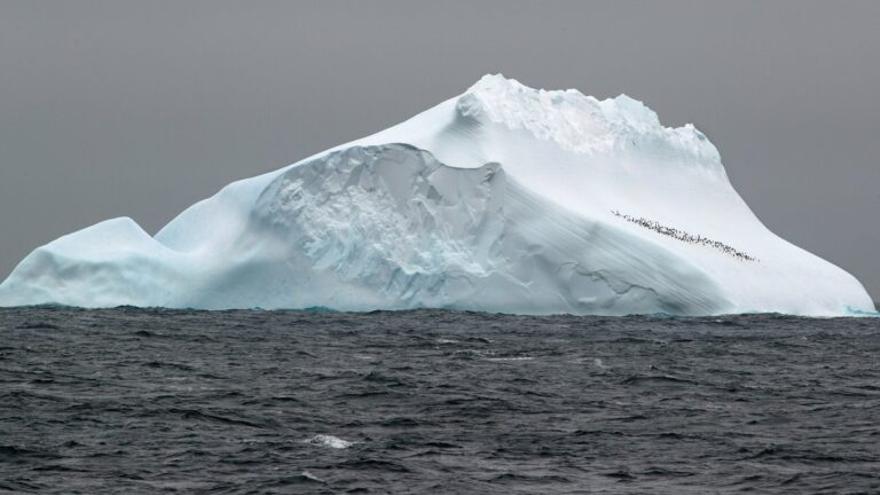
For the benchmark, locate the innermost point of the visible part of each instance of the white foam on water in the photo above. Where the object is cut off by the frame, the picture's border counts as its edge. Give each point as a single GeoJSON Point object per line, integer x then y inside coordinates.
{"type": "Point", "coordinates": [329, 441]}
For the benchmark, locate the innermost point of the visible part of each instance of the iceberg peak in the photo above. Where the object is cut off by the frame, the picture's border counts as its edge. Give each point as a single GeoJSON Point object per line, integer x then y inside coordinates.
{"type": "Point", "coordinates": [584, 124]}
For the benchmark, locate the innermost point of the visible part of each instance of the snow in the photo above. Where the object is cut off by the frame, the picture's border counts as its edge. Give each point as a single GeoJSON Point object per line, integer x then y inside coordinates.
{"type": "Point", "coordinates": [504, 198]}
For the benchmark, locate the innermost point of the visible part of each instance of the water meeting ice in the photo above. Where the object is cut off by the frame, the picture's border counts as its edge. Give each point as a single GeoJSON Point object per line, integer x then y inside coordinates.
{"type": "Point", "coordinates": [504, 198]}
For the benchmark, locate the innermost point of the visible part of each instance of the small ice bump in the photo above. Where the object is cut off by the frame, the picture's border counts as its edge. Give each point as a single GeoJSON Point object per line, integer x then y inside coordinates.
{"type": "Point", "coordinates": [329, 441]}
{"type": "Point", "coordinates": [511, 358]}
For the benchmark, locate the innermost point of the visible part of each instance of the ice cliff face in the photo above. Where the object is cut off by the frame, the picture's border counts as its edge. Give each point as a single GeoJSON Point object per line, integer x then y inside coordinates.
{"type": "Point", "coordinates": [504, 199]}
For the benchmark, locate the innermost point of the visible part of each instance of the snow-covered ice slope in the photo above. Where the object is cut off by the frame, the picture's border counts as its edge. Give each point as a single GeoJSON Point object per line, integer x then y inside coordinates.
{"type": "Point", "coordinates": [504, 198]}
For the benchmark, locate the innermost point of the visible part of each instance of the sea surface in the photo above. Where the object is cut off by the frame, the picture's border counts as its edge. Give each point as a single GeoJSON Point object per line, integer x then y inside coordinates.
{"type": "Point", "coordinates": [157, 401]}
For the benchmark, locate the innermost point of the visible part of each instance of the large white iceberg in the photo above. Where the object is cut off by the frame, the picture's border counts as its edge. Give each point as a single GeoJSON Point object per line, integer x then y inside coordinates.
{"type": "Point", "coordinates": [504, 198]}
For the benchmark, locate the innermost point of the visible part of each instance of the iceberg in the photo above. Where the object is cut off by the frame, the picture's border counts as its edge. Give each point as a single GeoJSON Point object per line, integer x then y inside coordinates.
{"type": "Point", "coordinates": [503, 199]}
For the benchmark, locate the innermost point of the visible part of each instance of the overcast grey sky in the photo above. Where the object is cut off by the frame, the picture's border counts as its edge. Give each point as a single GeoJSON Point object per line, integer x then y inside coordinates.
{"type": "Point", "coordinates": [140, 108]}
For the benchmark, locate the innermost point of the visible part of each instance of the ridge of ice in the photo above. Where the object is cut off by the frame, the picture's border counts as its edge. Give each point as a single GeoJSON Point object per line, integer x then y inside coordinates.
{"type": "Point", "coordinates": [583, 123]}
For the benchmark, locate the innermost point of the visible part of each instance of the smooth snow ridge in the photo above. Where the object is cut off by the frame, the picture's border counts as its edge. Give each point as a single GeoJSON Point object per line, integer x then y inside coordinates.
{"type": "Point", "coordinates": [501, 199]}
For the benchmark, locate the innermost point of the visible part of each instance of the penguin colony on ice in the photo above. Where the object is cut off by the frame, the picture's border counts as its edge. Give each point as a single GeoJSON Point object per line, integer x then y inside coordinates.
{"type": "Point", "coordinates": [685, 236]}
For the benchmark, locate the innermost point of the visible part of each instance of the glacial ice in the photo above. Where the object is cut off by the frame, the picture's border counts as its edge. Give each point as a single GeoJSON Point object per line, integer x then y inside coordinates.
{"type": "Point", "coordinates": [504, 198]}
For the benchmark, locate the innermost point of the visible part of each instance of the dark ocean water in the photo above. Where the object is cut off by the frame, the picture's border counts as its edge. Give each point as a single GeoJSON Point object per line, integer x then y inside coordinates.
{"type": "Point", "coordinates": [141, 401]}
